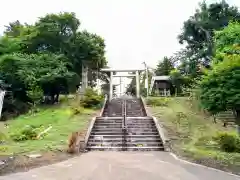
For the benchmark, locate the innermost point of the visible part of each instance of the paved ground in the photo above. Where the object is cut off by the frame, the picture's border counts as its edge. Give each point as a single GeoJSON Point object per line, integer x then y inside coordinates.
{"type": "Point", "coordinates": [122, 166]}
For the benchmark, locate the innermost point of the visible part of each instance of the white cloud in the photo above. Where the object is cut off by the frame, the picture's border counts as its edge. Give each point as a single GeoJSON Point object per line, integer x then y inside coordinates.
{"type": "Point", "coordinates": [134, 30]}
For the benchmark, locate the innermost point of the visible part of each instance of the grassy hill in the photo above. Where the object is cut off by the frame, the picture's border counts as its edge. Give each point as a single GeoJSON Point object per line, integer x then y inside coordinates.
{"type": "Point", "coordinates": [194, 135]}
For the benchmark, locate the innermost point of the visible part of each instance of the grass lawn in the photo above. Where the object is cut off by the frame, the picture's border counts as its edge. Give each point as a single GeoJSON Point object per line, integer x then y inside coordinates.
{"type": "Point", "coordinates": [191, 132]}
{"type": "Point", "coordinates": [59, 117]}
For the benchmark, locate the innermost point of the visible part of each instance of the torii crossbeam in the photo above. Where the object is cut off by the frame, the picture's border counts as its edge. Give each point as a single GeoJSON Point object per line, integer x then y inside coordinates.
{"type": "Point", "coordinates": [111, 70]}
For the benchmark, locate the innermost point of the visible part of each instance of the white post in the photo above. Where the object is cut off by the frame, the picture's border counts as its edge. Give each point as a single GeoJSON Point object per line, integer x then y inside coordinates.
{"type": "Point", "coordinates": [84, 79]}
{"type": "Point", "coordinates": [120, 86]}
{"type": "Point", "coordinates": [86, 76]}
{"type": "Point", "coordinates": [147, 81]}
{"type": "Point", "coordinates": [2, 93]}
{"type": "Point", "coordinates": [111, 86]}
{"type": "Point", "coordinates": [137, 85]}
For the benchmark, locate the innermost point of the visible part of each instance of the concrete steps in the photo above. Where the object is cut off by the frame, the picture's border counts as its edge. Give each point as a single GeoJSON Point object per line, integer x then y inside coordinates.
{"type": "Point", "coordinates": [140, 133]}
{"type": "Point", "coordinates": [108, 148]}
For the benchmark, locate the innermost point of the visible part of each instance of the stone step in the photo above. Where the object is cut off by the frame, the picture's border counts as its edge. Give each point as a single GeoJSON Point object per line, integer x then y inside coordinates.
{"type": "Point", "coordinates": [127, 136]}
{"type": "Point", "coordinates": [128, 144]}
{"type": "Point", "coordinates": [150, 148]}
{"type": "Point", "coordinates": [120, 133]}
{"type": "Point", "coordinates": [127, 122]}
{"type": "Point", "coordinates": [128, 126]}
{"type": "Point", "coordinates": [127, 139]}
{"type": "Point", "coordinates": [129, 130]}
{"type": "Point", "coordinates": [108, 122]}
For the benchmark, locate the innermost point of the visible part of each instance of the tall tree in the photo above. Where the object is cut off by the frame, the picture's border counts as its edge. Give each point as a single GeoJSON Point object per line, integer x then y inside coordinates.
{"type": "Point", "coordinates": [198, 30]}
{"type": "Point", "coordinates": [164, 67]}
{"type": "Point", "coordinates": [220, 87]}
{"type": "Point", "coordinates": [47, 57]}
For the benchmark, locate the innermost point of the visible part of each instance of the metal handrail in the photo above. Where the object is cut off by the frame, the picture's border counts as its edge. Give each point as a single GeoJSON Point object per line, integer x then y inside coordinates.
{"type": "Point", "coordinates": [124, 114]}
{"type": "Point", "coordinates": [124, 128]}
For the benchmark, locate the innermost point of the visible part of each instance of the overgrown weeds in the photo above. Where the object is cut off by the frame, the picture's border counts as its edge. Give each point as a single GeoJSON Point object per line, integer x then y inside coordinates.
{"type": "Point", "coordinates": [196, 136]}
{"type": "Point", "coordinates": [155, 101]}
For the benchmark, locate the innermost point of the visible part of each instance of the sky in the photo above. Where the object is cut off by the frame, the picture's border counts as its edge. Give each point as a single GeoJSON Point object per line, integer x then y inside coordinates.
{"type": "Point", "coordinates": [134, 30]}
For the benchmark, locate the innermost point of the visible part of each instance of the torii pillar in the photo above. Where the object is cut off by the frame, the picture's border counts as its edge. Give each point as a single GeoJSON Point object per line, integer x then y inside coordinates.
{"type": "Point", "coordinates": [137, 71]}
{"type": "Point", "coordinates": [137, 85]}
{"type": "Point", "coordinates": [111, 86]}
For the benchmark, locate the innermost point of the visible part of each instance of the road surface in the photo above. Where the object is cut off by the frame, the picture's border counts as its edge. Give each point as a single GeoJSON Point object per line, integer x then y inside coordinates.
{"type": "Point", "coordinates": [122, 166]}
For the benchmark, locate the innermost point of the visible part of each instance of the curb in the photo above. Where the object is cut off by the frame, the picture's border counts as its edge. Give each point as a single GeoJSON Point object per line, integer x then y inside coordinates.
{"type": "Point", "coordinates": [200, 165]}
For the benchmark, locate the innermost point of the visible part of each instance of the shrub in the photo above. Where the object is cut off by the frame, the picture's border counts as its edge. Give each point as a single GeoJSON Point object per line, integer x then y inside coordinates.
{"type": "Point", "coordinates": [228, 142]}
{"type": "Point", "coordinates": [77, 110]}
{"type": "Point", "coordinates": [2, 137]}
{"type": "Point", "coordinates": [27, 133]}
{"type": "Point", "coordinates": [91, 99]}
{"type": "Point", "coordinates": [207, 141]}
{"type": "Point", "coordinates": [157, 101]}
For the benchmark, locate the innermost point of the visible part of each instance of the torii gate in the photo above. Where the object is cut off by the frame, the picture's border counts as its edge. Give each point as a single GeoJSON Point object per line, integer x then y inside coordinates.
{"type": "Point", "coordinates": [111, 70]}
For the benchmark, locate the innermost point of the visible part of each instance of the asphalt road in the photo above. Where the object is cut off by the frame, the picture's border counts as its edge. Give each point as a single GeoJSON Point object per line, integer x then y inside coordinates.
{"type": "Point", "coordinates": [122, 166]}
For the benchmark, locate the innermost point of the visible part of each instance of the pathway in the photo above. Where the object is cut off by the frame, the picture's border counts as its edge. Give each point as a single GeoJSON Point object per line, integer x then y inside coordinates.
{"type": "Point", "coordinates": [105, 165]}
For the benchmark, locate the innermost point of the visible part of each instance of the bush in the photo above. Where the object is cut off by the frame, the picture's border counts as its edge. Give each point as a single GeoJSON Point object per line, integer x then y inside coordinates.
{"type": "Point", "coordinates": [2, 137]}
{"type": "Point", "coordinates": [228, 142]}
{"type": "Point", "coordinates": [27, 133]}
{"type": "Point", "coordinates": [157, 101]}
{"type": "Point", "coordinates": [91, 99]}
{"type": "Point", "coordinates": [77, 110]}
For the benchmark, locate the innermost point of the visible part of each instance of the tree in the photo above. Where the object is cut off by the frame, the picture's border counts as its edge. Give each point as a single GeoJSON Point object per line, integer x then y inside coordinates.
{"type": "Point", "coordinates": [143, 90]}
{"type": "Point", "coordinates": [177, 80]}
{"type": "Point", "coordinates": [47, 58]}
{"type": "Point", "coordinates": [132, 86]}
{"type": "Point", "coordinates": [220, 87]}
{"type": "Point", "coordinates": [198, 30]}
{"type": "Point", "coordinates": [164, 67]}
{"type": "Point", "coordinates": [14, 29]}
{"type": "Point", "coordinates": [227, 41]}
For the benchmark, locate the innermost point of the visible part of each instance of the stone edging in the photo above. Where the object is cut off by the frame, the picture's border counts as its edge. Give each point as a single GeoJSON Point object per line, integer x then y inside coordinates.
{"type": "Point", "coordinates": [87, 135]}
{"type": "Point", "coordinates": [144, 104]}
{"type": "Point", "coordinates": [104, 105]}
{"type": "Point", "coordinates": [165, 140]}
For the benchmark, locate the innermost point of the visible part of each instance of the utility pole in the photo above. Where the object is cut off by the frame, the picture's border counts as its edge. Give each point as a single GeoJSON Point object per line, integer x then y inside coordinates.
{"type": "Point", "coordinates": [146, 81]}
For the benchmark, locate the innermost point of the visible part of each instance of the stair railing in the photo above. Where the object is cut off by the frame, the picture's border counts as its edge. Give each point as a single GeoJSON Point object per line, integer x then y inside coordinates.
{"type": "Point", "coordinates": [124, 127]}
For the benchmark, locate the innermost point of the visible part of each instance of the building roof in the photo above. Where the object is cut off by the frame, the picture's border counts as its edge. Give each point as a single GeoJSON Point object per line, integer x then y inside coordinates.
{"type": "Point", "coordinates": [158, 78]}
{"type": "Point", "coordinates": [161, 78]}
{"type": "Point", "coordinates": [121, 70]}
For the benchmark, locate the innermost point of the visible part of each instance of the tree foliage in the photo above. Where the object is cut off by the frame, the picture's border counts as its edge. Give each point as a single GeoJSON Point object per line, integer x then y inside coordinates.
{"type": "Point", "coordinates": [46, 58]}
{"type": "Point", "coordinates": [164, 67]}
{"type": "Point", "coordinates": [198, 33]}
{"type": "Point", "coordinates": [227, 41]}
{"type": "Point", "coordinates": [220, 87]}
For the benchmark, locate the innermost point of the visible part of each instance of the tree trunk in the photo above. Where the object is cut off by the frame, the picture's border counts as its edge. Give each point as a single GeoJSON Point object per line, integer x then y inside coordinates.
{"type": "Point", "coordinates": [237, 117]}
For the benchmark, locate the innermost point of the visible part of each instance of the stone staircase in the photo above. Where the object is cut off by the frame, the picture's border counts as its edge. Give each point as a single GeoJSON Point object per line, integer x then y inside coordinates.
{"type": "Point", "coordinates": [114, 108]}
{"type": "Point", "coordinates": [125, 127]}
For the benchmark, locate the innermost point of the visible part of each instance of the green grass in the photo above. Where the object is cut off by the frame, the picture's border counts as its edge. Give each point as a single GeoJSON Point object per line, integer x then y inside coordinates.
{"type": "Point", "coordinates": [191, 132]}
{"type": "Point", "coordinates": [61, 119]}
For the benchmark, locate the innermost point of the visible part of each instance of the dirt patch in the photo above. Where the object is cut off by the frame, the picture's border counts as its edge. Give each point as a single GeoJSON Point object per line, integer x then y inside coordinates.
{"type": "Point", "coordinates": [21, 163]}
